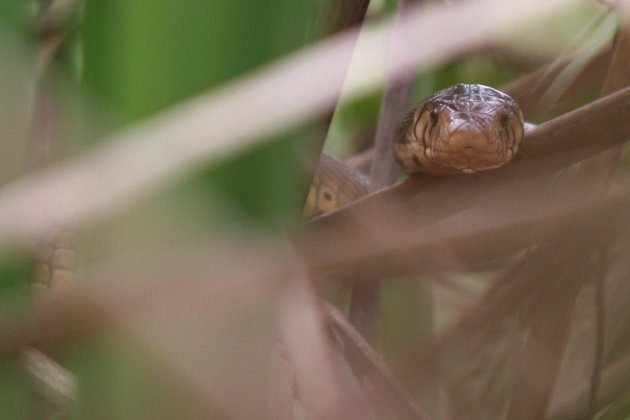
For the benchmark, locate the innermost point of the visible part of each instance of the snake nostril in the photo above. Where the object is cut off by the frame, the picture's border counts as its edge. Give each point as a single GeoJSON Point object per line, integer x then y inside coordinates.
{"type": "Point", "coordinates": [469, 151]}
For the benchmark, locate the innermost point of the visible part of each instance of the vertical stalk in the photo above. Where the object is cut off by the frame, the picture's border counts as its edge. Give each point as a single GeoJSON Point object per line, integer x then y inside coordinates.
{"type": "Point", "coordinates": [383, 170]}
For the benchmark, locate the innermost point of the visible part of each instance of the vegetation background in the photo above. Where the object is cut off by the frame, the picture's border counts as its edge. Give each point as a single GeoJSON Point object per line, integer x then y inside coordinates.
{"type": "Point", "coordinates": [185, 281]}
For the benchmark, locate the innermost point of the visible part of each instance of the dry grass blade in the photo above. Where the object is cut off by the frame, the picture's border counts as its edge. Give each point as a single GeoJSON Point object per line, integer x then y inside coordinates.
{"type": "Point", "coordinates": [547, 338]}
{"type": "Point", "coordinates": [617, 78]}
{"type": "Point", "coordinates": [529, 89]}
{"type": "Point", "coordinates": [408, 246]}
{"type": "Point", "coordinates": [124, 293]}
{"type": "Point", "coordinates": [384, 169]}
{"type": "Point", "coordinates": [344, 14]}
{"type": "Point", "coordinates": [617, 294]}
{"type": "Point", "coordinates": [368, 362]}
{"type": "Point", "coordinates": [51, 379]}
{"type": "Point", "coordinates": [317, 389]}
{"type": "Point", "coordinates": [501, 301]}
{"type": "Point", "coordinates": [600, 327]}
{"type": "Point", "coordinates": [193, 316]}
{"type": "Point", "coordinates": [574, 403]}
{"type": "Point", "coordinates": [602, 168]}
{"type": "Point", "coordinates": [394, 106]}
{"type": "Point", "coordinates": [143, 158]}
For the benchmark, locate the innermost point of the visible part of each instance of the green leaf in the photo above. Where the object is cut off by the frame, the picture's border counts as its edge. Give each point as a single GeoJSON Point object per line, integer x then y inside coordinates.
{"type": "Point", "coordinates": [143, 56]}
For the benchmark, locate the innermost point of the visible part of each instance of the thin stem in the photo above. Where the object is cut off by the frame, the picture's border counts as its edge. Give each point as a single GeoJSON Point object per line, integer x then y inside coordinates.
{"type": "Point", "coordinates": [343, 15]}
{"type": "Point", "coordinates": [596, 378]}
{"type": "Point", "coordinates": [383, 171]}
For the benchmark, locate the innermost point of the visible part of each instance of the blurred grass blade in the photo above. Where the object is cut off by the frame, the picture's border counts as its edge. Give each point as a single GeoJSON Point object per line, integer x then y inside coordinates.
{"type": "Point", "coordinates": [143, 158]}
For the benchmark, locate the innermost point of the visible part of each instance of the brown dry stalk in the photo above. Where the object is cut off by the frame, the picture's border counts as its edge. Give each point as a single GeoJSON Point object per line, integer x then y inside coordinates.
{"type": "Point", "coordinates": [343, 15]}
{"type": "Point", "coordinates": [49, 378]}
{"type": "Point", "coordinates": [383, 171]}
{"type": "Point", "coordinates": [370, 363]}
{"type": "Point", "coordinates": [574, 402]}
{"type": "Point", "coordinates": [502, 300]}
{"type": "Point", "coordinates": [617, 295]}
{"type": "Point", "coordinates": [602, 168]}
{"type": "Point", "coordinates": [405, 245]}
{"type": "Point", "coordinates": [541, 357]}
{"type": "Point", "coordinates": [530, 399]}
{"type": "Point", "coordinates": [394, 106]}
{"type": "Point", "coordinates": [600, 327]}
{"type": "Point", "coordinates": [97, 306]}
{"type": "Point", "coordinates": [315, 382]}
{"type": "Point", "coordinates": [123, 293]}
{"type": "Point", "coordinates": [529, 89]}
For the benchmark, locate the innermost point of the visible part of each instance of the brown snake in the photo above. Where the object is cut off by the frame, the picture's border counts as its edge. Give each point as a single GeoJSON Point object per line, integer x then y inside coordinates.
{"type": "Point", "coordinates": [462, 129]}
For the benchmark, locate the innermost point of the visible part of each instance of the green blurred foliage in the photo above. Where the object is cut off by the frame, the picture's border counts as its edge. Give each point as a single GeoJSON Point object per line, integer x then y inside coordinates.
{"type": "Point", "coordinates": [139, 57]}
{"type": "Point", "coordinates": [14, 14]}
{"type": "Point", "coordinates": [406, 320]}
{"type": "Point", "coordinates": [15, 391]}
{"type": "Point", "coordinates": [355, 122]}
{"type": "Point", "coordinates": [122, 379]}
{"type": "Point", "coordinates": [143, 56]}
{"type": "Point", "coordinates": [618, 409]}
{"type": "Point", "coordinates": [15, 267]}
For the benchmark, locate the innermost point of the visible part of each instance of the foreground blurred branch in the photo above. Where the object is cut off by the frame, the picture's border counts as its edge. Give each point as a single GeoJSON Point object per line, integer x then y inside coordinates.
{"type": "Point", "coordinates": [548, 334]}
{"type": "Point", "coordinates": [100, 301]}
{"type": "Point", "coordinates": [342, 15]}
{"type": "Point", "coordinates": [528, 90]}
{"type": "Point", "coordinates": [208, 129]}
{"type": "Point", "coordinates": [574, 404]}
{"type": "Point", "coordinates": [373, 367]}
{"type": "Point", "coordinates": [601, 168]}
{"type": "Point", "coordinates": [383, 170]}
{"type": "Point", "coordinates": [51, 379]}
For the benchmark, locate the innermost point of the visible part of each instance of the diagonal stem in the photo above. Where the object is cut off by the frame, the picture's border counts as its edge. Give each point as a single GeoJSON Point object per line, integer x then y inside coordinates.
{"type": "Point", "coordinates": [383, 170]}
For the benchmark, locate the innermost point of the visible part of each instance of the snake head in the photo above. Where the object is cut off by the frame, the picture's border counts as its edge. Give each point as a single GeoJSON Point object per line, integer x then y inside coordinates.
{"type": "Point", "coordinates": [462, 129]}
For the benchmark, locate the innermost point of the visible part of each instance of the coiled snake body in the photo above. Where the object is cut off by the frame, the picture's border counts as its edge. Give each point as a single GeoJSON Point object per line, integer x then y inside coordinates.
{"type": "Point", "coordinates": [462, 129]}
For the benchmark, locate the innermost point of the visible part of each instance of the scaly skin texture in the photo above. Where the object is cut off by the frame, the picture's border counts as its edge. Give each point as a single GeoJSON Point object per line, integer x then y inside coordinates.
{"type": "Point", "coordinates": [461, 129]}
{"type": "Point", "coordinates": [334, 185]}
{"type": "Point", "coordinates": [54, 265]}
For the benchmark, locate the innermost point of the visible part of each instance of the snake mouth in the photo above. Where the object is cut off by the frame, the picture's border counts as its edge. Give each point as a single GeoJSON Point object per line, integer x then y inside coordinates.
{"type": "Point", "coordinates": [462, 129]}
{"type": "Point", "coordinates": [466, 163]}
{"type": "Point", "coordinates": [467, 148]}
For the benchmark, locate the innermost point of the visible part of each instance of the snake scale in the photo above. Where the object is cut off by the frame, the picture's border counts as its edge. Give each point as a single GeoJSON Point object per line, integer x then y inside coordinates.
{"type": "Point", "coordinates": [463, 129]}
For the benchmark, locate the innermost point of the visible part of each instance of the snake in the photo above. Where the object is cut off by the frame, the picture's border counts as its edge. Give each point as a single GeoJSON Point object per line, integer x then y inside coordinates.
{"type": "Point", "coordinates": [463, 129]}
{"type": "Point", "coordinates": [54, 262]}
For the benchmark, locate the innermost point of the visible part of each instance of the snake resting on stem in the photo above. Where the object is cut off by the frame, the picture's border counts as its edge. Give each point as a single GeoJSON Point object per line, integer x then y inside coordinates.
{"type": "Point", "coordinates": [462, 129]}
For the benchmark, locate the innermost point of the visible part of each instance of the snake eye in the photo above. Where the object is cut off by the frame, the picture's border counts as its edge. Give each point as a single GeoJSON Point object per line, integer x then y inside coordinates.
{"type": "Point", "coordinates": [504, 118]}
{"type": "Point", "coordinates": [434, 116]}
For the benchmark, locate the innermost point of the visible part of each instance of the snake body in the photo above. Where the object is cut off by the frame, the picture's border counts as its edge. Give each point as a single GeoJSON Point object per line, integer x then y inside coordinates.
{"type": "Point", "coordinates": [55, 263]}
{"type": "Point", "coordinates": [334, 185]}
{"type": "Point", "coordinates": [463, 129]}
